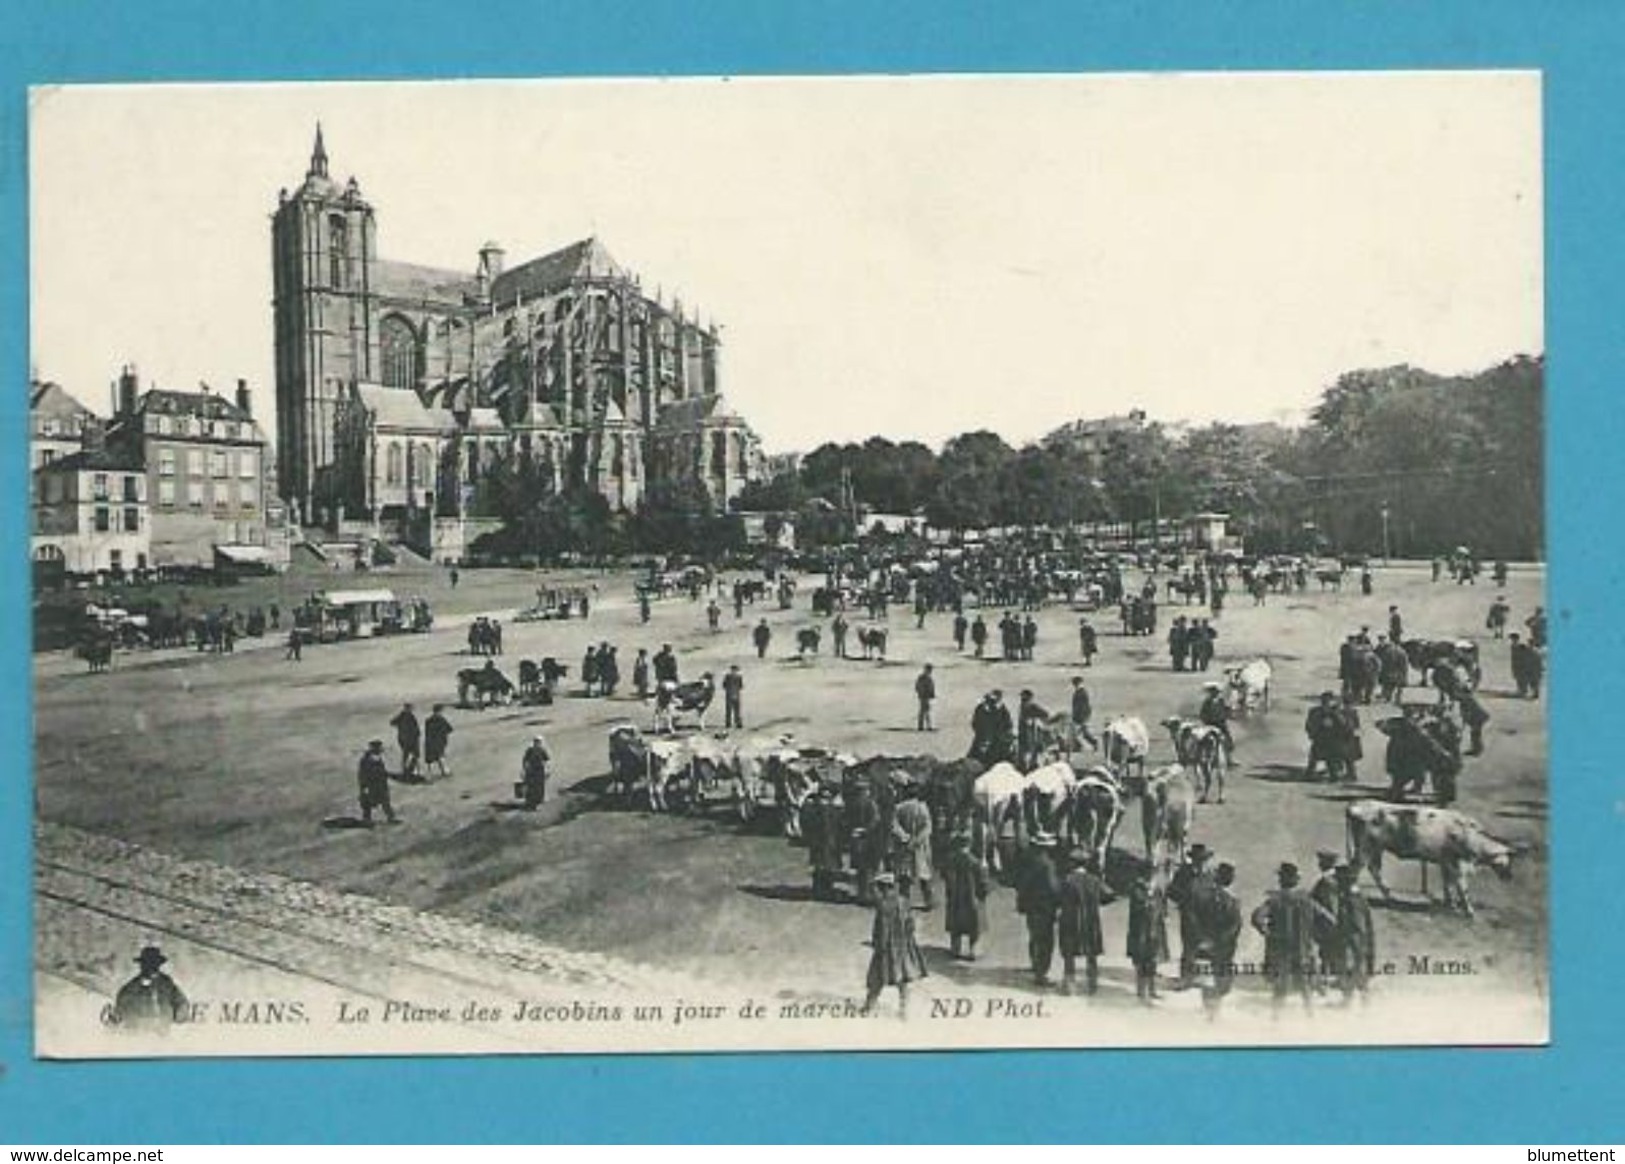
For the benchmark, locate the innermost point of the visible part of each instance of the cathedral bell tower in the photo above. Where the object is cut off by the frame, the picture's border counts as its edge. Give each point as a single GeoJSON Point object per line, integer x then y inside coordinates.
{"type": "Point", "coordinates": [322, 253]}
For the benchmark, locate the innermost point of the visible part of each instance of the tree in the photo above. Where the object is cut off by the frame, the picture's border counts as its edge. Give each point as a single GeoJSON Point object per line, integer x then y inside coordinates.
{"type": "Point", "coordinates": [970, 471]}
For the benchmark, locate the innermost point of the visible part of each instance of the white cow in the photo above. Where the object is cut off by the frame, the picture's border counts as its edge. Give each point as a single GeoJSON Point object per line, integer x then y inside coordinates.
{"type": "Point", "coordinates": [1455, 842]}
{"type": "Point", "coordinates": [996, 797]}
{"type": "Point", "coordinates": [1250, 686]}
{"type": "Point", "coordinates": [1125, 743]}
{"type": "Point", "coordinates": [1200, 747]}
{"type": "Point", "coordinates": [1167, 811]}
{"type": "Point", "coordinates": [1096, 809]}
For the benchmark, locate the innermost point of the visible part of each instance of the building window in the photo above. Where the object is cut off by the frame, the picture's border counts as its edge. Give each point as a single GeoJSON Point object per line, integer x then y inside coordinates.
{"type": "Point", "coordinates": [338, 245]}
{"type": "Point", "coordinates": [247, 467]}
{"type": "Point", "coordinates": [222, 496]}
{"type": "Point", "coordinates": [194, 494]}
{"type": "Point", "coordinates": [98, 486]}
{"type": "Point", "coordinates": [103, 519]}
{"type": "Point", "coordinates": [392, 465]}
{"type": "Point", "coordinates": [115, 561]}
{"type": "Point", "coordinates": [132, 519]}
{"type": "Point", "coordinates": [163, 425]}
{"type": "Point", "coordinates": [217, 463]}
{"type": "Point", "coordinates": [47, 427]}
{"type": "Point", "coordinates": [132, 488]}
{"type": "Point", "coordinates": [166, 493]}
{"type": "Point", "coordinates": [183, 426]}
{"type": "Point", "coordinates": [53, 488]}
{"type": "Point", "coordinates": [194, 462]}
{"type": "Point", "coordinates": [46, 456]}
{"type": "Point", "coordinates": [166, 462]}
{"type": "Point", "coordinates": [398, 347]}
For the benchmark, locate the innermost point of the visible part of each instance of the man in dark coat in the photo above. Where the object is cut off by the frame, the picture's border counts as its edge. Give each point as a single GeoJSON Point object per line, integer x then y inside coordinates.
{"type": "Point", "coordinates": [978, 635]}
{"type": "Point", "coordinates": [1356, 936]}
{"type": "Point", "coordinates": [1411, 754]}
{"type": "Point", "coordinates": [1396, 626]}
{"type": "Point", "coordinates": [1323, 725]}
{"type": "Point", "coordinates": [1088, 642]}
{"type": "Point", "coordinates": [1191, 888]}
{"type": "Point", "coordinates": [1223, 926]}
{"type": "Point", "coordinates": [1527, 668]}
{"type": "Point", "coordinates": [821, 826]}
{"type": "Point", "coordinates": [1215, 713]}
{"type": "Point", "coordinates": [1031, 733]}
{"type": "Point", "coordinates": [992, 732]}
{"type": "Point", "coordinates": [640, 674]}
{"type": "Point", "coordinates": [961, 626]}
{"type": "Point", "coordinates": [965, 888]}
{"type": "Point", "coordinates": [868, 842]}
{"type": "Point", "coordinates": [1324, 894]}
{"type": "Point", "coordinates": [895, 959]}
{"type": "Point", "coordinates": [372, 780]}
{"type": "Point", "coordinates": [733, 687]}
{"type": "Point", "coordinates": [1081, 711]}
{"type": "Point", "coordinates": [1147, 934]}
{"type": "Point", "coordinates": [533, 773]}
{"type": "Point", "coordinates": [1537, 628]}
{"type": "Point", "coordinates": [1473, 716]}
{"type": "Point", "coordinates": [150, 1001]}
{"type": "Point", "coordinates": [911, 847]}
{"type": "Point", "coordinates": [410, 738]}
{"type": "Point", "coordinates": [1083, 892]}
{"type": "Point", "coordinates": [837, 630]}
{"type": "Point", "coordinates": [925, 693]}
{"type": "Point", "coordinates": [1393, 669]}
{"type": "Point", "coordinates": [1178, 643]}
{"type": "Point", "coordinates": [1286, 919]}
{"type": "Point", "coordinates": [1038, 899]}
{"type": "Point", "coordinates": [1029, 637]}
{"type": "Point", "coordinates": [665, 665]}
{"type": "Point", "coordinates": [436, 735]}
{"type": "Point", "coordinates": [761, 636]}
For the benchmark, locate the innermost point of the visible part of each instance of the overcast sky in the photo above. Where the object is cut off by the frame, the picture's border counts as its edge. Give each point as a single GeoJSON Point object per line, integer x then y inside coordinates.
{"type": "Point", "coordinates": [913, 257]}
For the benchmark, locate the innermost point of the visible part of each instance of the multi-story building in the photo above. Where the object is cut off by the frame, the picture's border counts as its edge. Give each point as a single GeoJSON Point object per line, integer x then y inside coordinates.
{"type": "Point", "coordinates": [204, 462]}
{"type": "Point", "coordinates": [56, 423]}
{"type": "Point", "coordinates": [90, 510]}
{"type": "Point", "coordinates": [399, 385]}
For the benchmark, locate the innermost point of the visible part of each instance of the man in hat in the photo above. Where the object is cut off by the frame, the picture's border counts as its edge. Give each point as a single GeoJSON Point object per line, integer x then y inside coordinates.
{"type": "Point", "coordinates": [978, 635]}
{"type": "Point", "coordinates": [990, 729]}
{"type": "Point", "coordinates": [409, 736]}
{"type": "Point", "coordinates": [1083, 892]}
{"type": "Point", "coordinates": [1038, 898]}
{"type": "Point", "coordinates": [925, 693]}
{"type": "Point", "coordinates": [1031, 734]}
{"type": "Point", "coordinates": [1356, 937]}
{"type": "Point", "coordinates": [1191, 889]}
{"type": "Point", "coordinates": [1287, 919]}
{"type": "Point", "coordinates": [961, 628]}
{"type": "Point", "coordinates": [761, 636]}
{"type": "Point", "coordinates": [821, 826]}
{"type": "Point", "coordinates": [1473, 716]}
{"type": "Point", "coordinates": [1324, 894]}
{"type": "Point", "coordinates": [1223, 924]}
{"type": "Point", "coordinates": [372, 779]}
{"type": "Point", "coordinates": [1396, 625]}
{"type": "Point", "coordinates": [895, 959]}
{"type": "Point", "coordinates": [436, 735]}
{"type": "Point", "coordinates": [1215, 713]}
{"type": "Point", "coordinates": [533, 773]}
{"type": "Point", "coordinates": [1147, 933]}
{"type": "Point", "coordinates": [1088, 642]}
{"type": "Point", "coordinates": [1496, 621]}
{"type": "Point", "coordinates": [1323, 725]}
{"type": "Point", "coordinates": [965, 887]}
{"type": "Point", "coordinates": [1178, 643]}
{"type": "Point", "coordinates": [1528, 668]}
{"type": "Point", "coordinates": [733, 687]}
{"type": "Point", "coordinates": [868, 842]}
{"type": "Point", "coordinates": [150, 1001]}
{"type": "Point", "coordinates": [665, 665]}
{"type": "Point", "coordinates": [911, 841]}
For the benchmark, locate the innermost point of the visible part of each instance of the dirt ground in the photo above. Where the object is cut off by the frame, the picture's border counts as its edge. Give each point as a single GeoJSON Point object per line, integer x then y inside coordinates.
{"type": "Point", "coordinates": [248, 760]}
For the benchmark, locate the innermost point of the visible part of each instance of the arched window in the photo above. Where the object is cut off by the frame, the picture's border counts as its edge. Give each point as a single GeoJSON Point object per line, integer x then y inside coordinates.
{"type": "Point", "coordinates": [423, 472]}
{"type": "Point", "coordinates": [338, 251]}
{"type": "Point", "coordinates": [398, 350]}
{"type": "Point", "coordinates": [392, 465]}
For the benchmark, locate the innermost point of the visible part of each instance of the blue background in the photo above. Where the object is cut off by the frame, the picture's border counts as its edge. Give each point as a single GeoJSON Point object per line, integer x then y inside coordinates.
{"type": "Point", "coordinates": [1571, 1092]}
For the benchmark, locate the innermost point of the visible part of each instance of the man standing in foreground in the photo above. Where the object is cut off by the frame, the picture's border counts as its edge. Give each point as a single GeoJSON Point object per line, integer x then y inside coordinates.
{"type": "Point", "coordinates": [733, 686]}
{"type": "Point", "coordinates": [533, 774]}
{"type": "Point", "coordinates": [1038, 899]}
{"type": "Point", "coordinates": [1083, 892]}
{"type": "Point", "coordinates": [925, 690]}
{"type": "Point", "coordinates": [436, 735]}
{"type": "Point", "coordinates": [1287, 921]}
{"type": "Point", "coordinates": [409, 736]}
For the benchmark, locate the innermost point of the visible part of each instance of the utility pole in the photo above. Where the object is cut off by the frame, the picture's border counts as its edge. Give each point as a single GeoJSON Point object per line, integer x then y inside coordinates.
{"type": "Point", "coordinates": [1385, 545]}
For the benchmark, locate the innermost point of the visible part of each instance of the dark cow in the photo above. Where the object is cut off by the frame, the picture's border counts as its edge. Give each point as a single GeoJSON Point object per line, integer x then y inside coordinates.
{"type": "Point", "coordinates": [488, 686]}
{"type": "Point", "coordinates": [807, 640]}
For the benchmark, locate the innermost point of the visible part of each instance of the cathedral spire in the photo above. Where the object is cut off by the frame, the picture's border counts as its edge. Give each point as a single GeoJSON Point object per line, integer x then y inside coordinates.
{"type": "Point", "coordinates": [318, 156]}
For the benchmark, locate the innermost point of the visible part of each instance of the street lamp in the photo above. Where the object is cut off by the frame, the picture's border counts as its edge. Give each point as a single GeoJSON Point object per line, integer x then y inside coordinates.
{"type": "Point", "coordinates": [1385, 550]}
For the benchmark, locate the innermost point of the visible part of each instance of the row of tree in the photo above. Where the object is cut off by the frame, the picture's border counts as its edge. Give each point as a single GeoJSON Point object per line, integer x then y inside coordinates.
{"type": "Point", "coordinates": [1396, 460]}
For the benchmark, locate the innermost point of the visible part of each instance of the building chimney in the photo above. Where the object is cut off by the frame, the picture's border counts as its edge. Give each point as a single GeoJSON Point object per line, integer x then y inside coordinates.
{"type": "Point", "coordinates": [128, 385]}
{"type": "Point", "coordinates": [243, 400]}
{"type": "Point", "coordinates": [93, 436]}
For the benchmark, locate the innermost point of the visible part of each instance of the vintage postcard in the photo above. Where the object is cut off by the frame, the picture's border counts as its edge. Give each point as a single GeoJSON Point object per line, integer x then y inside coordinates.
{"type": "Point", "coordinates": [846, 563]}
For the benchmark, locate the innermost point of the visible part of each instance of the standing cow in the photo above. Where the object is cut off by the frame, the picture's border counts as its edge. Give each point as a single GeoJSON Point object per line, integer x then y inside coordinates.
{"type": "Point", "coordinates": [1455, 842]}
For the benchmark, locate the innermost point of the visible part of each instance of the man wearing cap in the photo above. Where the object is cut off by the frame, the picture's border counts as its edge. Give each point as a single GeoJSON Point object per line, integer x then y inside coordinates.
{"type": "Point", "coordinates": [533, 773]}
{"type": "Point", "coordinates": [1083, 892]}
{"type": "Point", "coordinates": [991, 729]}
{"type": "Point", "coordinates": [1081, 711]}
{"type": "Point", "coordinates": [1356, 937]}
{"type": "Point", "coordinates": [436, 735]}
{"type": "Point", "coordinates": [895, 959]}
{"type": "Point", "coordinates": [372, 779]}
{"type": "Point", "coordinates": [1287, 920]}
{"type": "Point", "coordinates": [1038, 898]}
{"type": "Point", "coordinates": [1191, 889]}
{"type": "Point", "coordinates": [409, 736]}
{"type": "Point", "coordinates": [978, 635]}
{"type": "Point", "coordinates": [733, 687]}
{"type": "Point", "coordinates": [150, 1001]}
{"type": "Point", "coordinates": [911, 846]}
{"type": "Point", "coordinates": [1396, 625]}
{"type": "Point", "coordinates": [965, 888]}
{"type": "Point", "coordinates": [1324, 894]}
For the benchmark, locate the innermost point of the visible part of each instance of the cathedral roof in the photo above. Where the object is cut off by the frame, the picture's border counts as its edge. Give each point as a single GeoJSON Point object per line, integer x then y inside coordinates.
{"type": "Point", "coordinates": [586, 259]}
{"type": "Point", "coordinates": [401, 408]}
{"type": "Point", "coordinates": [698, 410]}
{"type": "Point", "coordinates": [416, 282]}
